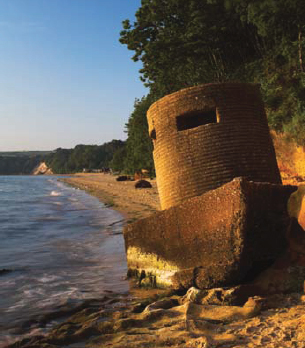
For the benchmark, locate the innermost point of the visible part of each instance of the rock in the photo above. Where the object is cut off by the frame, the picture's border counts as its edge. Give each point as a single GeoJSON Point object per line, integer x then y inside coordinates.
{"type": "Point", "coordinates": [148, 281]}
{"type": "Point", "coordinates": [219, 239]}
{"type": "Point", "coordinates": [296, 237]}
{"type": "Point", "coordinates": [163, 323]}
{"type": "Point", "coordinates": [122, 178]}
{"type": "Point", "coordinates": [215, 296]}
{"type": "Point", "coordinates": [5, 271]}
{"type": "Point", "coordinates": [282, 280]}
{"type": "Point", "coordinates": [295, 205]}
{"type": "Point", "coordinates": [295, 232]}
{"type": "Point", "coordinates": [200, 342]}
{"type": "Point", "coordinates": [143, 184]}
{"type": "Point", "coordinates": [162, 304]}
{"type": "Point", "coordinates": [138, 175]}
{"type": "Point", "coordinates": [254, 303]}
{"type": "Point", "coordinates": [224, 314]}
{"type": "Point", "coordinates": [194, 295]}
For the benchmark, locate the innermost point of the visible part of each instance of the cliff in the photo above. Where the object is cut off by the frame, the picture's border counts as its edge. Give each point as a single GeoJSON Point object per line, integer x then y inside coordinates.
{"type": "Point", "coordinates": [42, 169]}
{"type": "Point", "coordinates": [290, 158]}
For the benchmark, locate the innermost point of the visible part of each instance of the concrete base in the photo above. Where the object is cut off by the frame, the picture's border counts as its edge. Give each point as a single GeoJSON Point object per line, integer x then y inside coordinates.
{"type": "Point", "coordinates": [222, 238]}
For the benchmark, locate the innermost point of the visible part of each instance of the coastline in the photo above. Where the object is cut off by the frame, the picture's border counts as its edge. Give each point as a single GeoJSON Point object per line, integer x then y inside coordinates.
{"type": "Point", "coordinates": [121, 196]}
{"type": "Point", "coordinates": [152, 318]}
{"type": "Point", "coordinates": [130, 208]}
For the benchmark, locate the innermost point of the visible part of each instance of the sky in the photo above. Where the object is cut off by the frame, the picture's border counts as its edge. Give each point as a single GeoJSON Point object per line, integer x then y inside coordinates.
{"type": "Point", "coordinates": [64, 77]}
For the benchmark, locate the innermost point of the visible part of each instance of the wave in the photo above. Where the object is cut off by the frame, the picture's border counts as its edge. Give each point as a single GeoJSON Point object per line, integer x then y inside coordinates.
{"type": "Point", "coordinates": [47, 279]}
{"type": "Point", "coordinates": [29, 293]}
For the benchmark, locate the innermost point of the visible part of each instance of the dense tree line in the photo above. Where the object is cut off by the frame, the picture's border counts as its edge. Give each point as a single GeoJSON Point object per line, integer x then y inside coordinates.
{"type": "Point", "coordinates": [63, 161]}
{"type": "Point", "coordinates": [20, 164]}
{"type": "Point", "coordinates": [185, 43]}
{"type": "Point", "coordinates": [138, 152]}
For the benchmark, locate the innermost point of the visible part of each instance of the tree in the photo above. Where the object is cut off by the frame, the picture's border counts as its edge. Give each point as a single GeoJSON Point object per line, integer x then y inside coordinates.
{"type": "Point", "coordinates": [117, 163]}
{"type": "Point", "coordinates": [280, 25]}
{"type": "Point", "coordinates": [139, 145]}
{"type": "Point", "coordinates": [184, 43]}
{"type": "Point", "coordinates": [64, 161]}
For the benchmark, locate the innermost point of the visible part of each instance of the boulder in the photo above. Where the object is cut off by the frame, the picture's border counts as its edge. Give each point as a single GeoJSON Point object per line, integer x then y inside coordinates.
{"type": "Point", "coordinates": [122, 178]}
{"type": "Point", "coordinates": [223, 314]}
{"type": "Point", "coordinates": [143, 184]}
{"type": "Point", "coordinates": [5, 271]}
{"type": "Point", "coordinates": [216, 296]}
{"type": "Point", "coordinates": [222, 238]}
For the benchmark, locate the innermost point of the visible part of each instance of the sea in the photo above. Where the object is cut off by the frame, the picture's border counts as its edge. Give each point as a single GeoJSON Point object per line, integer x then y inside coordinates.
{"type": "Point", "coordinates": [59, 246]}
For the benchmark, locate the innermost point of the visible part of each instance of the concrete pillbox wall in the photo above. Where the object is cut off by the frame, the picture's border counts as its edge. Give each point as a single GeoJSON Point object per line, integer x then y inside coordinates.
{"type": "Point", "coordinates": [205, 136]}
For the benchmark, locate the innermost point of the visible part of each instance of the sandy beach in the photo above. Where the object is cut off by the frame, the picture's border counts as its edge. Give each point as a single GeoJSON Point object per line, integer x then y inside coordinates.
{"type": "Point", "coordinates": [119, 195]}
{"type": "Point", "coordinates": [203, 319]}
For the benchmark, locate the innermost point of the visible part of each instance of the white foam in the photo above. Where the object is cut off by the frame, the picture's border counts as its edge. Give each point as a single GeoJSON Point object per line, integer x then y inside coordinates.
{"type": "Point", "coordinates": [19, 304]}
{"type": "Point", "coordinates": [8, 282]}
{"type": "Point", "coordinates": [48, 279]}
{"type": "Point", "coordinates": [55, 193]}
{"type": "Point", "coordinates": [33, 292]}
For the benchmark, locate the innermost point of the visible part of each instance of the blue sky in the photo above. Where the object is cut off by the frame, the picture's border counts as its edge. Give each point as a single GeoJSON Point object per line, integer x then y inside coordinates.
{"type": "Point", "coordinates": [64, 77]}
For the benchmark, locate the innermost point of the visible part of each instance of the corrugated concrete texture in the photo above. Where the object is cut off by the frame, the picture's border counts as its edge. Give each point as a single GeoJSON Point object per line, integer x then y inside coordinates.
{"type": "Point", "coordinates": [207, 135]}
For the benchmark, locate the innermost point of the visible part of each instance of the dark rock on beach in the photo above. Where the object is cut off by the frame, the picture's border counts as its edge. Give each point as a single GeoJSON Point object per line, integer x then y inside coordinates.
{"type": "Point", "coordinates": [143, 184]}
{"type": "Point", "coordinates": [4, 271]}
{"type": "Point", "coordinates": [122, 178]}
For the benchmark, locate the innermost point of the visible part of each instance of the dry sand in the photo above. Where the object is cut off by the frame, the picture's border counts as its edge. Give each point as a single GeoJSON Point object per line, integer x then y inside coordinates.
{"type": "Point", "coordinates": [119, 195]}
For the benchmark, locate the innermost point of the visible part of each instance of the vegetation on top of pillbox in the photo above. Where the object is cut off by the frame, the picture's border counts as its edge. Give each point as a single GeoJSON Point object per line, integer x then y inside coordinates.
{"type": "Point", "coordinates": [186, 43]}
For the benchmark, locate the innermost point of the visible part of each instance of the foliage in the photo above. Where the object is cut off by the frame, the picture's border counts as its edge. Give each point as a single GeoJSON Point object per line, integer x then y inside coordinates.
{"type": "Point", "coordinates": [18, 164]}
{"type": "Point", "coordinates": [90, 157]}
{"type": "Point", "coordinates": [185, 43]}
{"type": "Point", "coordinates": [139, 145]}
{"type": "Point", "coordinates": [62, 161]}
{"type": "Point", "coordinates": [280, 25]}
{"type": "Point", "coordinates": [117, 163]}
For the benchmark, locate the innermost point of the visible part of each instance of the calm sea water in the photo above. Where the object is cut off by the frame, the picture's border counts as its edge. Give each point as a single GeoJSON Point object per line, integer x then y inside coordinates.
{"type": "Point", "coordinates": [61, 245]}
